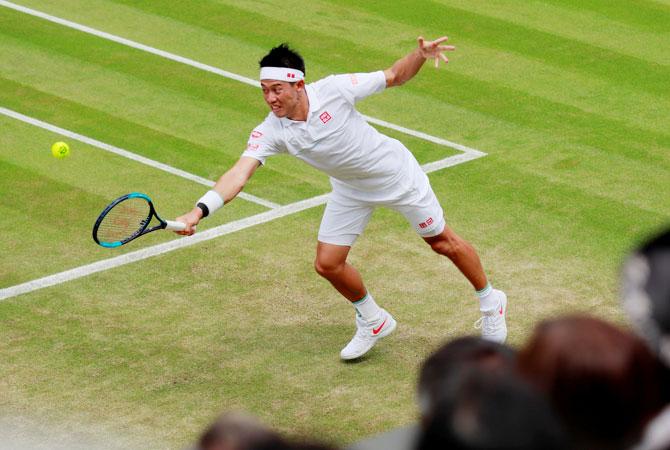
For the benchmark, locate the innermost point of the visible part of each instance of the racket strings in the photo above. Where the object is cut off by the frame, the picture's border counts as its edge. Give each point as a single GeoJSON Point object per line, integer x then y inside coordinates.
{"type": "Point", "coordinates": [124, 220]}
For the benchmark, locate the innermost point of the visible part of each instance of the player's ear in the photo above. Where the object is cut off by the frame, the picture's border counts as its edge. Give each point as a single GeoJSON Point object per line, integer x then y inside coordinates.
{"type": "Point", "coordinates": [300, 85]}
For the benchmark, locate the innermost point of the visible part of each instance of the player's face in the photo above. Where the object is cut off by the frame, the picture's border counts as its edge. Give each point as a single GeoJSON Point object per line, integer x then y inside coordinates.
{"type": "Point", "coordinates": [281, 97]}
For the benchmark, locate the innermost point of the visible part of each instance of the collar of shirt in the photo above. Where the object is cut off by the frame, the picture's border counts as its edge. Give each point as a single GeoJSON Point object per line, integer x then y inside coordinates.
{"type": "Point", "coordinates": [314, 105]}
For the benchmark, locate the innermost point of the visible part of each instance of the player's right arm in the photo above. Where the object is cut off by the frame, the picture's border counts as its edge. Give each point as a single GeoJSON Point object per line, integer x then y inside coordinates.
{"type": "Point", "coordinates": [405, 68]}
{"type": "Point", "coordinates": [227, 187]}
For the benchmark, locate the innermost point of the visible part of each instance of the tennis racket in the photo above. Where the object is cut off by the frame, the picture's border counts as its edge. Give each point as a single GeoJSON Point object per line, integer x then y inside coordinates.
{"type": "Point", "coordinates": [129, 217]}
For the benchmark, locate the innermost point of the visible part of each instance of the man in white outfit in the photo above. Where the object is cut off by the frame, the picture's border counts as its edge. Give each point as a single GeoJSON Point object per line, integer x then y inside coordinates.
{"type": "Point", "coordinates": [319, 124]}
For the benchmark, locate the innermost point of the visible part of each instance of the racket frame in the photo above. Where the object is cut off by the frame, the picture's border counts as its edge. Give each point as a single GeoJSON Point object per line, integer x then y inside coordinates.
{"type": "Point", "coordinates": [163, 224]}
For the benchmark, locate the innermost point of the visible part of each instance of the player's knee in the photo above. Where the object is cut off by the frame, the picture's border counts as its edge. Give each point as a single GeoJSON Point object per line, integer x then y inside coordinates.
{"type": "Point", "coordinates": [327, 268]}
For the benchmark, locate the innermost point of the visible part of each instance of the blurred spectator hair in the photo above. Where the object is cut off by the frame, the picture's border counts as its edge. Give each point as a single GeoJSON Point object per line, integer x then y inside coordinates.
{"type": "Point", "coordinates": [237, 431]}
{"type": "Point", "coordinates": [494, 410]}
{"type": "Point", "coordinates": [645, 283]}
{"type": "Point", "coordinates": [603, 382]}
{"type": "Point", "coordinates": [456, 356]}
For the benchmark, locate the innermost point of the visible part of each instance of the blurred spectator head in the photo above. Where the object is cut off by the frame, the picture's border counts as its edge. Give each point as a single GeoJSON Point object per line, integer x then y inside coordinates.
{"type": "Point", "coordinates": [645, 284]}
{"type": "Point", "coordinates": [476, 409]}
{"type": "Point", "coordinates": [461, 354]}
{"type": "Point", "coordinates": [293, 445]}
{"type": "Point", "coordinates": [237, 431]}
{"type": "Point", "coordinates": [602, 381]}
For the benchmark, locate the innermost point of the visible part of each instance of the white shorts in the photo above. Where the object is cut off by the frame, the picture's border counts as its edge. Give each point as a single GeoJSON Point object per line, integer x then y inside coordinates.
{"type": "Point", "coordinates": [349, 210]}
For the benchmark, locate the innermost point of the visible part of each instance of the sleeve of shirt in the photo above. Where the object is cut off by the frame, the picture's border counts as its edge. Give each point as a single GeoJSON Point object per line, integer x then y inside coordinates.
{"type": "Point", "coordinates": [263, 143]}
{"type": "Point", "coordinates": [357, 86]}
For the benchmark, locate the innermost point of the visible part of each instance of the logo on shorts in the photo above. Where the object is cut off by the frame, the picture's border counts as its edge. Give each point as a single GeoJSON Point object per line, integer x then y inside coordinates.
{"type": "Point", "coordinates": [354, 79]}
{"type": "Point", "coordinates": [325, 117]}
{"type": "Point", "coordinates": [256, 134]}
{"type": "Point", "coordinates": [427, 223]}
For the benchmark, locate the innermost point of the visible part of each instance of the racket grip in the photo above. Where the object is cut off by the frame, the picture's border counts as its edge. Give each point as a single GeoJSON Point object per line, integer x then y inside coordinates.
{"type": "Point", "coordinates": [174, 225]}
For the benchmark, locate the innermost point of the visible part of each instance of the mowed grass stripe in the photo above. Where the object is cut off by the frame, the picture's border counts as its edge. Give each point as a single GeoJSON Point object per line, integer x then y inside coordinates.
{"type": "Point", "coordinates": [547, 115]}
{"type": "Point", "coordinates": [155, 109]}
{"type": "Point", "coordinates": [632, 30]}
{"type": "Point", "coordinates": [425, 152]}
{"type": "Point", "coordinates": [613, 108]}
{"type": "Point", "coordinates": [146, 141]}
{"type": "Point", "coordinates": [122, 63]}
{"type": "Point", "coordinates": [475, 60]}
{"type": "Point", "coordinates": [50, 205]}
{"type": "Point", "coordinates": [645, 15]}
{"type": "Point", "coordinates": [114, 69]}
{"type": "Point", "coordinates": [560, 119]}
{"type": "Point", "coordinates": [509, 37]}
{"type": "Point", "coordinates": [539, 114]}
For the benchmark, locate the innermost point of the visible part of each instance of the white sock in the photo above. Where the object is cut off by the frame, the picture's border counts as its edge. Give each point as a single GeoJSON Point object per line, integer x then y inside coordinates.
{"type": "Point", "coordinates": [487, 298]}
{"type": "Point", "coordinates": [367, 309]}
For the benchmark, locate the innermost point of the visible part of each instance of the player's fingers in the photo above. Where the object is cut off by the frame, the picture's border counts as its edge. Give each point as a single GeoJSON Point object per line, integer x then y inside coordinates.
{"type": "Point", "coordinates": [440, 40]}
{"type": "Point", "coordinates": [437, 62]}
{"type": "Point", "coordinates": [444, 58]}
{"type": "Point", "coordinates": [189, 230]}
{"type": "Point", "coordinates": [419, 40]}
{"type": "Point", "coordinates": [446, 48]}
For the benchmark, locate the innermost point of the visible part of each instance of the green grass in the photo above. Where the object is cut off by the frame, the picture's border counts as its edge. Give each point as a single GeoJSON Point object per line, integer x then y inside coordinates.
{"type": "Point", "coordinates": [569, 99]}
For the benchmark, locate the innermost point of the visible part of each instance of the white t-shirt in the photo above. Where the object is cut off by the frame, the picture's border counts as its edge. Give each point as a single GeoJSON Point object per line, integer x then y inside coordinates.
{"type": "Point", "coordinates": [335, 138]}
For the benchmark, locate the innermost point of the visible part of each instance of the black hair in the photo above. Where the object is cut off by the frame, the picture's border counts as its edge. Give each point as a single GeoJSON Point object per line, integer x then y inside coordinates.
{"type": "Point", "coordinates": [477, 410]}
{"type": "Point", "coordinates": [283, 56]}
{"type": "Point", "coordinates": [448, 361]}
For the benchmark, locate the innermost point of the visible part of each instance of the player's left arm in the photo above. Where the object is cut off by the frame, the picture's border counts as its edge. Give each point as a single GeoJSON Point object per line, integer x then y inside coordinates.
{"type": "Point", "coordinates": [405, 68]}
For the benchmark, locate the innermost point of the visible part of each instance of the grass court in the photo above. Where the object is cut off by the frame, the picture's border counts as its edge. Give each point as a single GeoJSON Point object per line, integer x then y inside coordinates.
{"type": "Point", "coordinates": [568, 99]}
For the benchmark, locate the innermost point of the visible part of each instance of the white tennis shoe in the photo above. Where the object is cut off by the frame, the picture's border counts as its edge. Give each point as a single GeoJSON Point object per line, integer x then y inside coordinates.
{"type": "Point", "coordinates": [367, 335]}
{"type": "Point", "coordinates": [492, 323]}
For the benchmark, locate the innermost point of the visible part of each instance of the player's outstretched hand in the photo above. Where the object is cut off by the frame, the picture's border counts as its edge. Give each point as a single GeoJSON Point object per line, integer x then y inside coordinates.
{"type": "Point", "coordinates": [433, 49]}
{"type": "Point", "coordinates": [191, 219]}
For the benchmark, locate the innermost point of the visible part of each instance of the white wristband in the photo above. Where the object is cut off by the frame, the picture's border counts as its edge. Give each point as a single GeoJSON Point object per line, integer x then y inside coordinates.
{"type": "Point", "coordinates": [211, 201]}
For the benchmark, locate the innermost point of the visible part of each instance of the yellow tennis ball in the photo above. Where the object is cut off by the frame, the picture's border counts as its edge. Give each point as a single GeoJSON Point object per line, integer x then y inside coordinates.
{"type": "Point", "coordinates": [60, 150]}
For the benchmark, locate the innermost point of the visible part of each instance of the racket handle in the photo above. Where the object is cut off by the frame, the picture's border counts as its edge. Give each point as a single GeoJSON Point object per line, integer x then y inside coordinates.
{"type": "Point", "coordinates": [175, 226]}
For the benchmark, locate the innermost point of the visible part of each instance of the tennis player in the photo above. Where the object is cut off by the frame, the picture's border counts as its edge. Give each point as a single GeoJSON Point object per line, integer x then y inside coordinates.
{"type": "Point", "coordinates": [318, 123]}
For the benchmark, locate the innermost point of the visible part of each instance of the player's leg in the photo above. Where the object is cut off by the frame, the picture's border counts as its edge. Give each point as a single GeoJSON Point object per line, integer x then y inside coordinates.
{"type": "Point", "coordinates": [331, 263]}
{"type": "Point", "coordinates": [343, 221]}
{"type": "Point", "coordinates": [461, 253]}
{"type": "Point", "coordinates": [423, 211]}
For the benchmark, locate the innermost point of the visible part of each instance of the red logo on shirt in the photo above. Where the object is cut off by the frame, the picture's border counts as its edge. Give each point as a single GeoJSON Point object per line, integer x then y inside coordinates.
{"type": "Point", "coordinates": [256, 134]}
{"type": "Point", "coordinates": [325, 117]}
{"type": "Point", "coordinates": [253, 147]}
{"type": "Point", "coordinates": [354, 79]}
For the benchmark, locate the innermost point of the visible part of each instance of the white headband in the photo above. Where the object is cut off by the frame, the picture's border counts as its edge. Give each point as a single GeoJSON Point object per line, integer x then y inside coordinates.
{"type": "Point", "coordinates": [281, 74]}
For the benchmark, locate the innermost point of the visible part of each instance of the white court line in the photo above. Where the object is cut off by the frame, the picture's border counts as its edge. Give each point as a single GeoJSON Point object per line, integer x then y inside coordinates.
{"type": "Point", "coordinates": [212, 69]}
{"type": "Point", "coordinates": [212, 233]}
{"type": "Point", "coordinates": [128, 42]}
{"type": "Point", "coordinates": [127, 154]}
